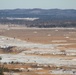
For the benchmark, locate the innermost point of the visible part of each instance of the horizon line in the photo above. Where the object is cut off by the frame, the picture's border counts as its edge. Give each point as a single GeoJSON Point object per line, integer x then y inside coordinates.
{"type": "Point", "coordinates": [39, 8]}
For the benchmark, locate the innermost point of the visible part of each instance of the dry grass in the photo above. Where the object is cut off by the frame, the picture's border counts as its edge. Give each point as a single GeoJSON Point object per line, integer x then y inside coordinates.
{"type": "Point", "coordinates": [42, 35]}
{"type": "Point", "coordinates": [45, 36]}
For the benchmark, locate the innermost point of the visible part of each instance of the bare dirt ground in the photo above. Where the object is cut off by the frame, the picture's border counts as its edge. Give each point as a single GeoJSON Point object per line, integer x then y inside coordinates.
{"type": "Point", "coordinates": [64, 38]}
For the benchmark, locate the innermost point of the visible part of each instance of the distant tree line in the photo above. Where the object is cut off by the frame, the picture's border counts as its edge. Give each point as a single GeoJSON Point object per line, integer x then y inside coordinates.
{"type": "Point", "coordinates": [40, 23]}
{"type": "Point", "coordinates": [47, 17]}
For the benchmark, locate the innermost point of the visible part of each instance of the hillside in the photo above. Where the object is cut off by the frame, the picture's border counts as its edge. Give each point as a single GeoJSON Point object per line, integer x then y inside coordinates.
{"type": "Point", "coordinates": [39, 17]}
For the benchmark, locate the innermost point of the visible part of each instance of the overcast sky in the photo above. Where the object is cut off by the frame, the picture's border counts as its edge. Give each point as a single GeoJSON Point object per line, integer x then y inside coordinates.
{"type": "Point", "coordinates": [45, 4]}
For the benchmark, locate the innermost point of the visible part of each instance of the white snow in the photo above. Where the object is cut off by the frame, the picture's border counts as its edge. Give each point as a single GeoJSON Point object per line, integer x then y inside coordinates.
{"type": "Point", "coordinates": [24, 56]}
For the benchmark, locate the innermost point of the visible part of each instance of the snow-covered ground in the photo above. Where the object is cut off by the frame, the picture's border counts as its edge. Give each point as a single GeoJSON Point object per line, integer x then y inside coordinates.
{"type": "Point", "coordinates": [63, 72]}
{"type": "Point", "coordinates": [34, 52]}
{"type": "Point", "coordinates": [35, 59]}
{"type": "Point", "coordinates": [35, 49]}
{"type": "Point", "coordinates": [28, 19]}
{"type": "Point", "coordinates": [6, 41]}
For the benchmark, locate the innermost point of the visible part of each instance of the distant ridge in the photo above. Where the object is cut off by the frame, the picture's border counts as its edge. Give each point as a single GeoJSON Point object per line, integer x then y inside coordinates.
{"type": "Point", "coordinates": [37, 12]}
{"type": "Point", "coordinates": [43, 17]}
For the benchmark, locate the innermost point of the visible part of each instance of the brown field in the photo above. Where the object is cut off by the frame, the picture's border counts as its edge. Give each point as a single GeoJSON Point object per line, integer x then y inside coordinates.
{"type": "Point", "coordinates": [45, 36]}
{"type": "Point", "coordinates": [66, 38]}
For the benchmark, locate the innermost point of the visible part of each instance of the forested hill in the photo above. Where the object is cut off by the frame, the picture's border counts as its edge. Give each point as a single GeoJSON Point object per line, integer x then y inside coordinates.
{"type": "Point", "coordinates": [41, 13]}
{"type": "Point", "coordinates": [42, 17]}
